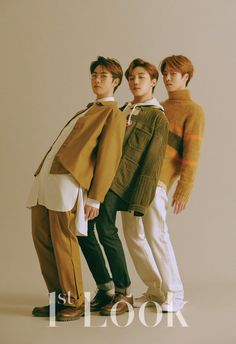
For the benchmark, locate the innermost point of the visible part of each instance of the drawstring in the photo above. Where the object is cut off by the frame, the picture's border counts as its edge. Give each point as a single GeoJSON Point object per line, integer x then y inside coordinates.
{"type": "Point", "coordinates": [129, 121]}
{"type": "Point", "coordinates": [132, 106]}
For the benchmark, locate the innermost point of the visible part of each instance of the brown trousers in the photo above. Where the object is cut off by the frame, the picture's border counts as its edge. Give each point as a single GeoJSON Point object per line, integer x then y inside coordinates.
{"type": "Point", "coordinates": [58, 252]}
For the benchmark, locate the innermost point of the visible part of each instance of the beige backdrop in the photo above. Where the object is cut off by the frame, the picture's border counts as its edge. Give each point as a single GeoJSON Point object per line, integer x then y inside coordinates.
{"type": "Point", "coordinates": [46, 48]}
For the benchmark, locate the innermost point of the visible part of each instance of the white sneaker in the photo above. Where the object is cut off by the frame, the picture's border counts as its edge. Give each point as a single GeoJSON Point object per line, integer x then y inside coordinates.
{"type": "Point", "coordinates": [139, 301]}
{"type": "Point", "coordinates": [174, 305]}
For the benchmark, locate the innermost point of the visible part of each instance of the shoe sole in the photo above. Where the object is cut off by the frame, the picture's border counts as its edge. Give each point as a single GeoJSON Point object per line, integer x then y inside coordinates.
{"type": "Point", "coordinates": [96, 309]}
{"type": "Point", "coordinates": [40, 315]}
{"type": "Point", "coordinates": [58, 318]}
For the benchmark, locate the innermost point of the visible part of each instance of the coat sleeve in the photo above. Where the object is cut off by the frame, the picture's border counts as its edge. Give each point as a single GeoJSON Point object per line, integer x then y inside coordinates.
{"type": "Point", "coordinates": [108, 155]}
{"type": "Point", "coordinates": [150, 168]}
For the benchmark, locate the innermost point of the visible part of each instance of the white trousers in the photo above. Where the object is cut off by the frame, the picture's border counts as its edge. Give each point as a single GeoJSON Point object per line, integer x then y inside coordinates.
{"type": "Point", "coordinates": [150, 247]}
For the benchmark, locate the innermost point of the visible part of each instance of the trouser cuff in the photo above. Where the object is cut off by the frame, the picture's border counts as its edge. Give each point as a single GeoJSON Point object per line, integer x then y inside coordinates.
{"type": "Point", "coordinates": [106, 286]}
{"type": "Point", "coordinates": [124, 291]}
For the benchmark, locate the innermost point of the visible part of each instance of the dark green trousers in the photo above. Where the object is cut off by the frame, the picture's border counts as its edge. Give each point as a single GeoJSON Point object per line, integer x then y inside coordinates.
{"type": "Point", "coordinates": [109, 239]}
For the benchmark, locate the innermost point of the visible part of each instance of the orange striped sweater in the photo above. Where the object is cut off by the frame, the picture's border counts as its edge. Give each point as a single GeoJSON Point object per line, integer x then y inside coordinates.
{"type": "Point", "coordinates": [186, 125]}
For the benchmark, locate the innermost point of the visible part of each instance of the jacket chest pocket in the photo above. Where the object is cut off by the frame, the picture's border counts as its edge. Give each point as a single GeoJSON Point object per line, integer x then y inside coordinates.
{"type": "Point", "coordinates": [139, 138]}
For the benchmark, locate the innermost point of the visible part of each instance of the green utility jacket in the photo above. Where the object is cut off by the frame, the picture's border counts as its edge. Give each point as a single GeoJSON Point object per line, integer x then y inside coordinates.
{"type": "Point", "coordinates": [143, 151]}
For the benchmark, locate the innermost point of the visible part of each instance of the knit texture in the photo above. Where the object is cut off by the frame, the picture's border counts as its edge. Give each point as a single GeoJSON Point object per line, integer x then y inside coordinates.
{"type": "Point", "coordinates": [186, 125]}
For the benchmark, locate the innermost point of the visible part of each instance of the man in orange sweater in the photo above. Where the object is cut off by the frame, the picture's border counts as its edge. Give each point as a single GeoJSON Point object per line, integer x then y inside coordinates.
{"type": "Point", "coordinates": [147, 237]}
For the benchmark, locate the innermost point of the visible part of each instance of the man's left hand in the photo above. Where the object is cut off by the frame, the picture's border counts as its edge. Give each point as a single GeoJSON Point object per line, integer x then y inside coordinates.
{"type": "Point", "coordinates": [178, 206]}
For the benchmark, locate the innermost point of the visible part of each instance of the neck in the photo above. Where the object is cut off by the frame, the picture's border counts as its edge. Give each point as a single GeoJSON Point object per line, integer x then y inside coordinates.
{"type": "Point", "coordinates": [142, 99]}
{"type": "Point", "coordinates": [106, 96]}
{"type": "Point", "coordinates": [183, 94]}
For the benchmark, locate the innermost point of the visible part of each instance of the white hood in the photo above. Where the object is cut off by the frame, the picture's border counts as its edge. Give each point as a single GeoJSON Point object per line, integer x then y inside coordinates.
{"type": "Point", "coordinates": [133, 109]}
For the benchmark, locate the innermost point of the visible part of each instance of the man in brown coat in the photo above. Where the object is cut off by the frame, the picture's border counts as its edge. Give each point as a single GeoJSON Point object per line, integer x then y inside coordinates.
{"type": "Point", "coordinates": [69, 185]}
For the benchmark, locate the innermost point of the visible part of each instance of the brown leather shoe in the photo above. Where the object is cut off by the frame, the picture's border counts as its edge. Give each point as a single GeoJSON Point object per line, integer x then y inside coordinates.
{"type": "Point", "coordinates": [70, 313]}
{"type": "Point", "coordinates": [45, 310]}
{"type": "Point", "coordinates": [122, 306]}
{"type": "Point", "coordinates": [41, 311]}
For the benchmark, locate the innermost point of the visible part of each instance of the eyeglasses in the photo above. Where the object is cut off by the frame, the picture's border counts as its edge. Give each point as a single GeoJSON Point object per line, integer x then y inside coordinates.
{"type": "Point", "coordinates": [101, 76]}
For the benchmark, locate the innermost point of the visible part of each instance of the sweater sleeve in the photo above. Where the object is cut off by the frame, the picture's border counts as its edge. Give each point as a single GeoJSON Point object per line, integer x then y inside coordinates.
{"type": "Point", "coordinates": [108, 155]}
{"type": "Point", "coordinates": [192, 138]}
{"type": "Point", "coordinates": [151, 164]}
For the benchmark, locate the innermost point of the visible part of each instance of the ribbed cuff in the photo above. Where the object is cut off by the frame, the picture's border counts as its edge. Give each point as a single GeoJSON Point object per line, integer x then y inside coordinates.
{"type": "Point", "coordinates": [182, 192]}
{"type": "Point", "coordinates": [144, 192]}
{"type": "Point", "coordinates": [93, 203]}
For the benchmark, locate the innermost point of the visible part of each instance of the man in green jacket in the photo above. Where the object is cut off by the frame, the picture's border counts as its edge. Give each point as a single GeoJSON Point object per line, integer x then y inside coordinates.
{"type": "Point", "coordinates": [133, 188]}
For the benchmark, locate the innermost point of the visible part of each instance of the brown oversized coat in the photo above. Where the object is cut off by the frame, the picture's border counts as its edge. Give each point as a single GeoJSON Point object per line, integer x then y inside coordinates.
{"type": "Point", "coordinates": [91, 153]}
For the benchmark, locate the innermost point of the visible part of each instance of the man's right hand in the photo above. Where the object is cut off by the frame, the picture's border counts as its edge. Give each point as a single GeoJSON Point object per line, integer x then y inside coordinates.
{"type": "Point", "coordinates": [90, 212]}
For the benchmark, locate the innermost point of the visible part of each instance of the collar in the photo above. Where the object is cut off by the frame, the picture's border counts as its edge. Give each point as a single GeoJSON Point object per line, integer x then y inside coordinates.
{"type": "Point", "coordinates": [130, 108]}
{"type": "Point", "coordinates": [107, 101]}
{"type": "Point", "coordinates": [150, 102]}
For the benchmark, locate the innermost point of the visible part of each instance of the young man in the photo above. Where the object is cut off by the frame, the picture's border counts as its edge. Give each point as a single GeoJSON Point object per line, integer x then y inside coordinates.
{"type": "Point", "coordinates": [133, 188]}
{"type": "Point", "coordinates": [70, 183]}
{"type": "Point", "coordinates": [147, 237]}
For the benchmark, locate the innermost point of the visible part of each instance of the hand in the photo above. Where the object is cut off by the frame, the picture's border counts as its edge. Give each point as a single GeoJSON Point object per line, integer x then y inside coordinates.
{"type": "Point", "coordinates": [90, 212]}
{"type": "Point", "coordinates": [178, 206]}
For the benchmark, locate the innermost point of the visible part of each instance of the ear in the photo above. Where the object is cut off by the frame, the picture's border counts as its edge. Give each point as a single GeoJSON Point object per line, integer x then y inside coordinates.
{"type": "Point", "coordinates": [153, 82]}
{"type": "Point", "coordinates": [186, 77]}
{"type": "Point", "coordinates": [116, 82]}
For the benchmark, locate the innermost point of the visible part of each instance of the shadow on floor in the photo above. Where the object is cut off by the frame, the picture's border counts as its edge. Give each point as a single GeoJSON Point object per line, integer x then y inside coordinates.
{"type": "Point", "coordinates": [20, 303]}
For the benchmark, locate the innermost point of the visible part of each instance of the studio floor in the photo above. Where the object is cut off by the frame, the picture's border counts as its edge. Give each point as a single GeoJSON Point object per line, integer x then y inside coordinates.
{"type": "Point", "coordinates": [208, 317]}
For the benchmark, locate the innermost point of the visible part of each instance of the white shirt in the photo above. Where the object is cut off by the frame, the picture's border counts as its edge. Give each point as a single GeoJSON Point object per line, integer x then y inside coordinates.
{"type": "Point", "coordinates": [59, 192]}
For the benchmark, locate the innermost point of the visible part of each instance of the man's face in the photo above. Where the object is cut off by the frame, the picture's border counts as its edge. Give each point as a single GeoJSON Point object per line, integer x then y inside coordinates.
{"type": "Point", "coordinates": [141, 84]}
{"type": "Point", "coordinates": [174, 80]}
{"type": "Point", "coordinates": [103, 83]}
